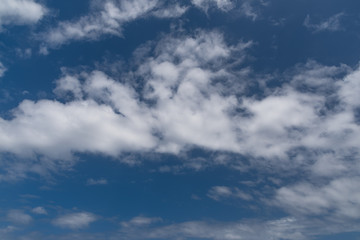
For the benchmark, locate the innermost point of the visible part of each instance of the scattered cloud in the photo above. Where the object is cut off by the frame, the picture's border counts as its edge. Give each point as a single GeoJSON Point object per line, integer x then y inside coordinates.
{"type": "Point", "coordinates": [23, 53]}
{"type": "Point", "coordinates": [100, 181]}
{"type": "Point", "coordinates": [224, 5]}
{"type": "Point", "coordinates": [140, 221]}
{"type": "Point", "coordinates": [20, 12]}
{"type": "Point", "coordinates": [331, 24]}
{"type": "Point", "coordinates": [284, 228]}
{"type": "Point", "coordinates": [39, 210]}
{"type": "Point", "coordinates": [19, 217]}
{"type": "Point", "coordinates": [189, 81]}
{"type": "Point", "coordinates": [339, 198]}
{"type": "Point", "coordinates": [75, 220]}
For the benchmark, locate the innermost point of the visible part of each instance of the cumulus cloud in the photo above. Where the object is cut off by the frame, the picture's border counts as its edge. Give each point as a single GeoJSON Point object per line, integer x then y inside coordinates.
{"type": "Point", "coordinates": [20, 12]}
{"type": "Point", "coordinates": [107, 18]}
{"type": "Point", "coordinates": [331, 24]}
{"type": "Point", "coordinates": [19, 217]}
{"type": "Point", "coordinates": [75, 220]}
{"type": "Point", "coordinates": [191, 95]}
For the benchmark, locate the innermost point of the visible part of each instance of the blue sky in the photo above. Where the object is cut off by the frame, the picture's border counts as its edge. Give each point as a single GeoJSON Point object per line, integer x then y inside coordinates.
{"type": "Point", "coordinates": [198, 119]}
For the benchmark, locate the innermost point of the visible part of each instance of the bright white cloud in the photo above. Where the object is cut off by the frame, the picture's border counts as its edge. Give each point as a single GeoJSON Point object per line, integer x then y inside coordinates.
{"type": "Point", "coordinates": [187, 81]}
{"type": "Point", "coordinates": [331, 24]}
{"type": "Point", "coordinates": [20, 12]}
{"type": "Point", "coordinates": [75, 220]}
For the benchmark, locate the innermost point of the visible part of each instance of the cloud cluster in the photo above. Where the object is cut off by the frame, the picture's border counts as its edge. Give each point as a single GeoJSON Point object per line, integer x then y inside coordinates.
{"type": "Point", "coordinates": [187, 99]}
{"type": "Point", "coordinates": [20, 12]}
{"type": "Point", "coordinates": [191, 91]}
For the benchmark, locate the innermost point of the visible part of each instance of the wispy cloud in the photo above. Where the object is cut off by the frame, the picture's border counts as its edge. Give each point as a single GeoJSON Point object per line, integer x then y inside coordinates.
{"type": "Point", "coordinates": [219, 193]}
{"type": "Point", "coordinates": [331, 24]}
{"type": "Point", "coordinates": [107, 18]}
{"type": "Point", "coordinates": [100, 181]}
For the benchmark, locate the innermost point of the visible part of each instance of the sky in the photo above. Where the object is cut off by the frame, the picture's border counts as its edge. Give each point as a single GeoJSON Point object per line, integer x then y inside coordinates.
{"type": "Point", "coordinates": [179, 120]}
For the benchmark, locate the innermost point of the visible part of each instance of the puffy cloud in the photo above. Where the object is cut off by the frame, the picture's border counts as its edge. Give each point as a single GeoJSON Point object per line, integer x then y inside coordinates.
{"type": "Point", "coordinates": [188, 98]}
{"type": "Point", "coordinates": [20, 12]}
{"type": "Point", "coordinates": [331, 24]}
{"type": "Point", "coordinates": [39, 210]}
{"type": "Point", "coordinates": [75, 220]}
{"type": "Point", "coordinates": [191, 95]}
{"type": "Point", "coordinates": [107, 18]}
{"type": "Point", "coordinates": [19, 217]}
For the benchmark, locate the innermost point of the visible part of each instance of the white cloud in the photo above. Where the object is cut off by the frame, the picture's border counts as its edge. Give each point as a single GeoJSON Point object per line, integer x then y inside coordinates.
{"type": "Point", "coordinates": [219, 193]}
{"type": "Point", "coordinates": [39, 210]}
{"type": "Point", "coordinates": [331, 24]}
{"type": "Point", "coordinates": [20, 12]}
{"type": "Point", "coordinates": [189, 99]}
{"type": "Point", "coordinates": [339, 198]}
{"type": "Point", "coordinates": [224, 5]}
{"type": "Point", "coordinates": [107, 19]}
{"type": "Point", "coordinates": [19, 217]}
{"type": "Point", "coordinates": [140, 221]}
{"type": "Point", "coordinates": [172, 11]}
{"type": "Point", "coordinates": [284, 228]}
{"type": "Point", "coordinates": [100, 181]}
{"type": "Point", "coordinates": [75, 220]}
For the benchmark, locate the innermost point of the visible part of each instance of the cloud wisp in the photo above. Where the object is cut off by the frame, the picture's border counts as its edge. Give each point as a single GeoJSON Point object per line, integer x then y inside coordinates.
{"type": "Point", "coordinates": [107, 18]}
{"type": "Point", "coordinates": [331, 24]}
